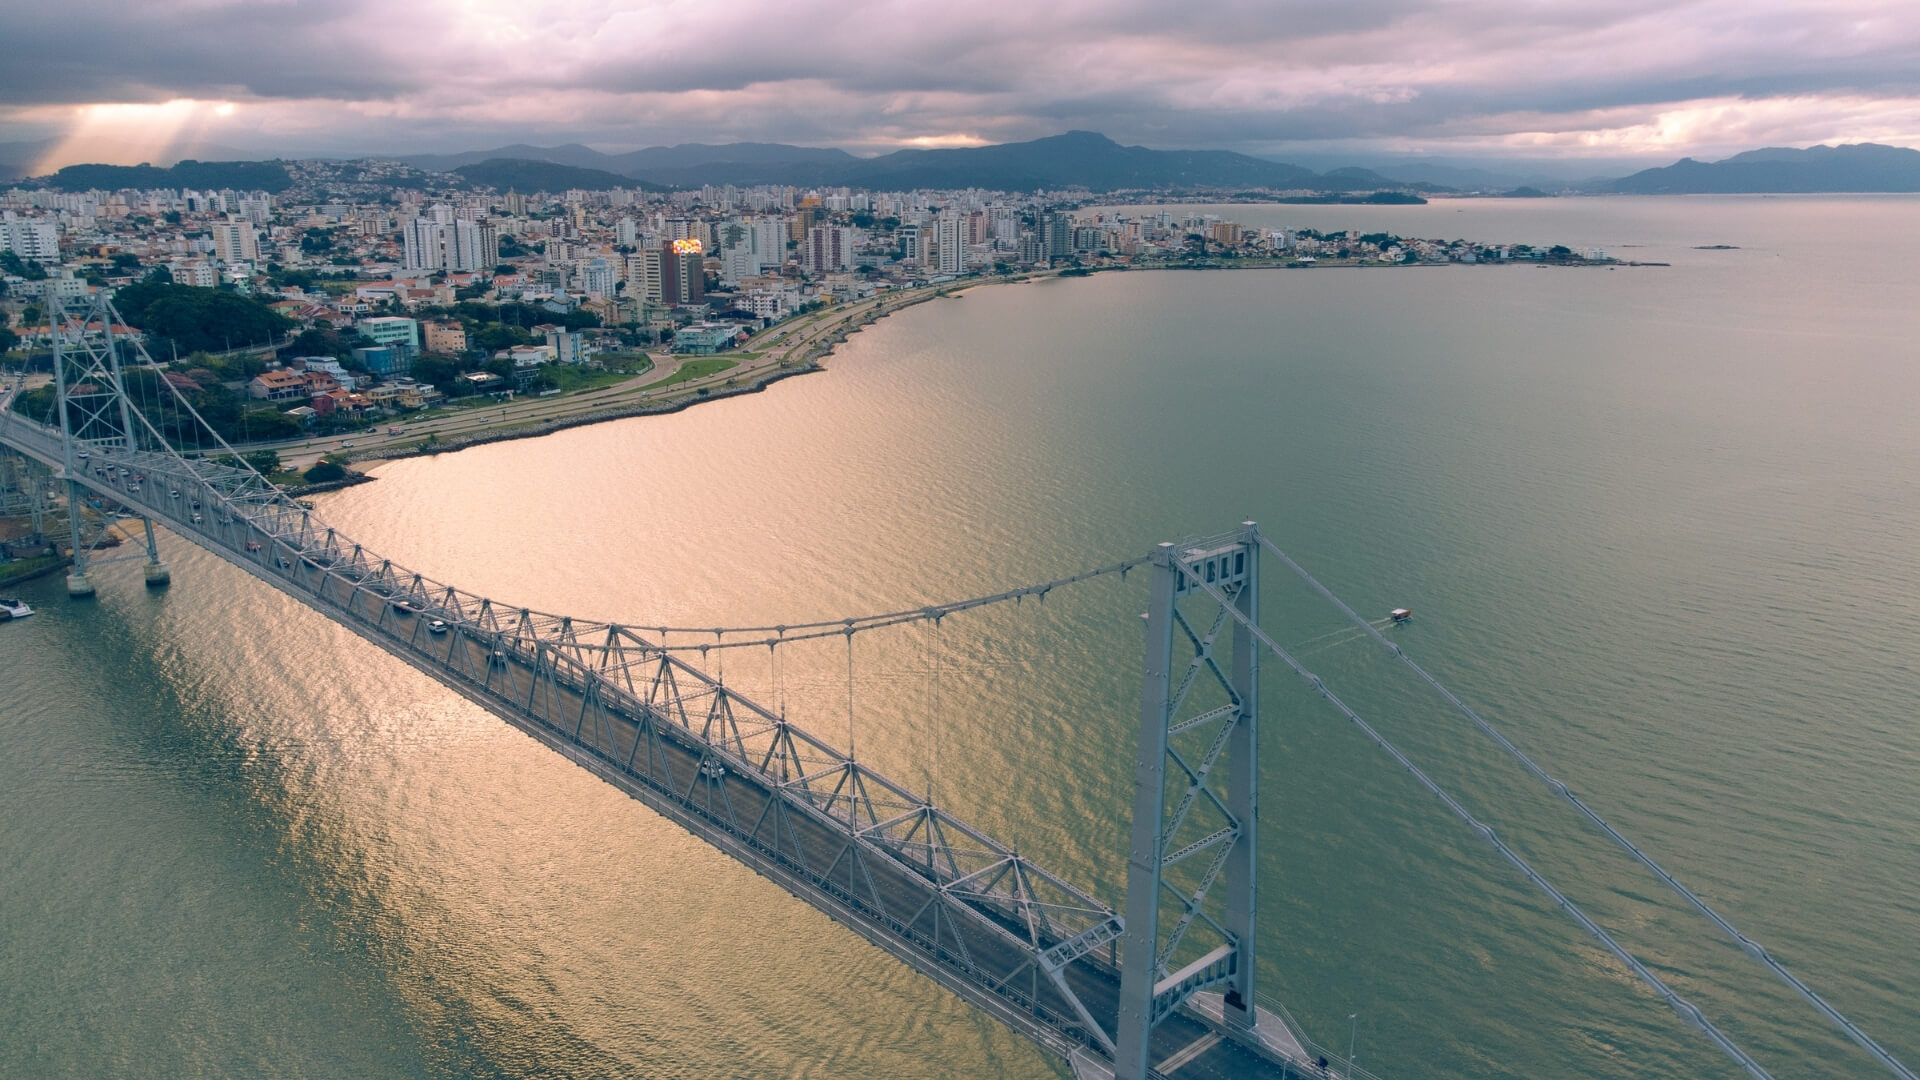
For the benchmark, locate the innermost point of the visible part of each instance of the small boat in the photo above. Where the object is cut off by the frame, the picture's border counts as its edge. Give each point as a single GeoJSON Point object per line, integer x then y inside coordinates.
{"type": "Point", "coordinates": [13, 609]}
{"type": "Point", "coordinates": [1400, 614]}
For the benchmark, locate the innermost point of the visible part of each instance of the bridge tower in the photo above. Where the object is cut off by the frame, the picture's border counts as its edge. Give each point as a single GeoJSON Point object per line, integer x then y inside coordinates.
{"type": "Point", "coordinates": [95, 413]}
{"type": "Point", "coordinates": [1192, 840]}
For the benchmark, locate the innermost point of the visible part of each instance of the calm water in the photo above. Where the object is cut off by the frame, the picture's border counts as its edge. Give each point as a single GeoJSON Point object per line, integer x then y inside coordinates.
{"type": "Point", "coordinates": [1658, 523]}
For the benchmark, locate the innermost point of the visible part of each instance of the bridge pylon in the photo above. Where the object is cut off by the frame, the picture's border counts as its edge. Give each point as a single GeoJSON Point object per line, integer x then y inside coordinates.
{"type": "Point", "coordinates": [95, 416]}
{"type": "Point", "coordinates": [1192, 874]}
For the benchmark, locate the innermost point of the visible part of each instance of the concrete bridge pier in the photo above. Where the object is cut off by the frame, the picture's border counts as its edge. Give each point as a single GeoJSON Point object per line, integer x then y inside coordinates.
{"type": "Point", "coordinates": [79, 586]}
{"type": "Point", "coordinates": [158, 576]}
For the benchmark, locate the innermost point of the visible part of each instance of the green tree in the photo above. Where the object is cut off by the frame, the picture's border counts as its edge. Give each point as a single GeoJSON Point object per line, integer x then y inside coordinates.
{"type": "Point", "coordinates": [204, 320]}
{"type": "Point", "coordinates": [493, 338]}
{"type": "Point", "coordinates": [264, 462]}
{"type": "Point", "coordinates": [266, 425]}
{"type": "Point", "coordinates": [13, 264]}
{"type": "Point", "coordinates": [324, 472]}
{"type": "Point", "coordinates": [436, 371]}
{"type": "Point", "coordinates": [323, 341]}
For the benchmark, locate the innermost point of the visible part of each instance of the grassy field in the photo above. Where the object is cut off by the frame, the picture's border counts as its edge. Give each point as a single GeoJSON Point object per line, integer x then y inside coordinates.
{"type": "Point", "coordinates": [630, 363]}
{"type": "Point", "coordinates": [570, 379]}
{"type": "Point", "coordinates": [22, 569]}
{"type": "Point", "coordinates": [694, 369]}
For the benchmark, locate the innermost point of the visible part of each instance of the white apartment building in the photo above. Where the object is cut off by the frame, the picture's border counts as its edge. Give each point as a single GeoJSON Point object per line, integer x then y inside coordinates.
{"type": "Point", "coordinates": [197, 273]}
{"type": "Point", "coordinates": [643, 275]}
{"type": "Point", "coordinates": [739, 262]}
{"type": "Point", "coordinates": [439, 241]}
{"type": "Point", "coordinates": [235, 241]}
{"type": "Point", "coordinates": [30, 238]}
{"type": "Point", "coordinates": [597, 278]}
{"type": "Point", "coordinates": [950, 233]}
{"type": "Point", "coordinates": [769, 237]}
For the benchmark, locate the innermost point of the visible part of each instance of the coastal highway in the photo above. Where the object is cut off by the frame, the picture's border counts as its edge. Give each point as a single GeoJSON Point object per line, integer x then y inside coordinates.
{"type": "Point", "coordinates": [787, 343]}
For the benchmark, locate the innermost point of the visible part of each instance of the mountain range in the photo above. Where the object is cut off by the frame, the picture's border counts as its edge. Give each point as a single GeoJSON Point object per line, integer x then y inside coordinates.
{"type": "Point", "coordinates": [1074, 159]}
{"type": "Point", "coordinates": [1093, 161]}
{"type": "Point", "coordinates": [1859, 167]}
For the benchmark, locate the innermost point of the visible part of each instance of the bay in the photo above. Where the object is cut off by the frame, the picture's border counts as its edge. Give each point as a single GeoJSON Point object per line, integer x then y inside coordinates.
{"type": "Point", "coordinates": [1655, 522]}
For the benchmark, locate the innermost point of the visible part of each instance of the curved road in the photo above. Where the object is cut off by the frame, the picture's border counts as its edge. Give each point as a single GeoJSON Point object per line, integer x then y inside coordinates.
{"type": "Point", "coordinates": [780, 345]}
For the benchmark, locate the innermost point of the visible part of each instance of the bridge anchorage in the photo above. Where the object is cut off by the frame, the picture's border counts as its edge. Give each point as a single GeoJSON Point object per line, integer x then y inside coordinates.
{"type": "Point", "coordinates": [1170, 988]}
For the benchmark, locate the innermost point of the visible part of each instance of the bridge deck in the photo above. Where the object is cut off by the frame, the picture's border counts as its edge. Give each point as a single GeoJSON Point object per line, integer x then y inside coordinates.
{"type": "Point", "coordinates": [935, 893]}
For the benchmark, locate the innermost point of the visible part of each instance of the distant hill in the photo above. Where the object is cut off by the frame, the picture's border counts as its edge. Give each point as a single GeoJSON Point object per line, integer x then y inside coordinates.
{"type": "Point", "coordinates": [269, 176]}
{"type": "Point", "coordinates": [1074, 159]}
{"type": "Point", "coordinates": [585, 157]}
{"type": "Point", "coordinates": [690, 155]}
{"type": "Point", "coordinates": [1859, 167]}
{"type": "Point", "coordinates": [640, 163]}
{"type": "Point", "coordinates": [520, 174]}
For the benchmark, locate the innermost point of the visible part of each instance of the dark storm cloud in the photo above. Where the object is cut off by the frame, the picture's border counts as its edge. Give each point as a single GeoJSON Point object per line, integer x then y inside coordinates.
{"type": "Point", "coordinates": [1240, 74]}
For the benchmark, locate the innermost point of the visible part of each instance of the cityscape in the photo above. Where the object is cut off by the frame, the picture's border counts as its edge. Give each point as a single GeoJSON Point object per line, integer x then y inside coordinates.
{"type": "Point", "coordinates": [415, 299]}
{"type": "Point", "coordinates": [613, 539]}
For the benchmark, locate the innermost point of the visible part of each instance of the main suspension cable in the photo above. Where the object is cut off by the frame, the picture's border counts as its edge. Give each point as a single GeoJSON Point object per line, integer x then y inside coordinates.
{"type": "Point", "coordinates": [1687, 1010]}
{"type": "Point", "coordinates": [827, 628]}
{"type": "Point", "coordinates": [1747, 944]}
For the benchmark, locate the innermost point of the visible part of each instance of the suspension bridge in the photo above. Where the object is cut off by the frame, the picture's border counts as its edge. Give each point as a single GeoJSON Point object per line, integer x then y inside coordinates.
{"type": "Point", "coordinates": [1166, 987]}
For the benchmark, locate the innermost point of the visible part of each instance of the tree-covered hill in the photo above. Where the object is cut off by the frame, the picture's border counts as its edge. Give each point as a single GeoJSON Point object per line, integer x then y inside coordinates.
{"type": "Point", "coordinates": [269, 176]}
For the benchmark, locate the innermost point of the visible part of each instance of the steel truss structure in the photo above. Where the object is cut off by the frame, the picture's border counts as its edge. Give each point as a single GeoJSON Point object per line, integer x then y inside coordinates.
{"type": "Point", "coordinates": [983, 920]}
{"type": "Point", "coordinates": [1190, 835]}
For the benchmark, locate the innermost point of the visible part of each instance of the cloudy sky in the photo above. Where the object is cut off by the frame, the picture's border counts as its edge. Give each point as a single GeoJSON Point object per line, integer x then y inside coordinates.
{"type": "Point", "coordinates": [1599, 80]}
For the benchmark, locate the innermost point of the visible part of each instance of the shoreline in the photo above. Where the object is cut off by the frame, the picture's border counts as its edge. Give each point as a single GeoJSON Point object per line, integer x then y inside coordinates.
{"type": "Point", "coordinates": [562, 423]}
{"type": "Point", "coordinates": [809, 362]}
{"type": "Point", "coordinates": [818, 351]}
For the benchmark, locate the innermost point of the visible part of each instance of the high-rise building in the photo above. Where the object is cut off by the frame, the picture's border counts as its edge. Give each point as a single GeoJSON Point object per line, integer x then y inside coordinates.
{"type": "Point", "coordinates": [769, 237]}
{"type": "Point", "coordinates": [1056, 235]}
{"type": "Point", "coordinates": [235, 242]}
{"type": "Point", "coordinates": [643, 275]}
{"type": "Point", "coordinates": [912, 248]}
{"type": "Point", "coordinates": [30, 238]}
{"type": "Point", "coordinates": [597, 278]}
{"type": "Point", "coordinates": [739, 262]}
{"type": "Point", "coordinates": [829, 248]}
{"type": "Point", "coordinates": [439, 241]}
{"type": "Point", "coordinates": [626, 231]}
{"type": "Point", "coordinates": [683, 273]}
{"type": "Point", "coordinates": [950, 233]}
